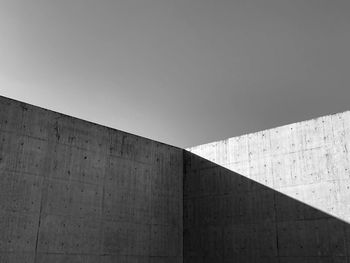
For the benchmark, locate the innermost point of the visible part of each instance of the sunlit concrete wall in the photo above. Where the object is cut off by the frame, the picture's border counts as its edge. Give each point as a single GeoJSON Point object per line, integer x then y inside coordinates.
{"type": "Point", "coordinates": [309, 160]}
{"type": "Point", "coordinates": [282, 174]}
{"type": "Point", "coordinates": [73, 191]}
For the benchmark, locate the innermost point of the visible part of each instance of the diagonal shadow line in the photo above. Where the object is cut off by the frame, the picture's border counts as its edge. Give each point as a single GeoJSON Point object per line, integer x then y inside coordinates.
{"type": "Point", "coordinates": [230, 218]}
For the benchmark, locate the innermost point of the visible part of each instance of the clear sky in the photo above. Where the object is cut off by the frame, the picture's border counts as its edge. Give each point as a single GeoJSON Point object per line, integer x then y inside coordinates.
{"type": "Point", "coordinates": [184, 72]}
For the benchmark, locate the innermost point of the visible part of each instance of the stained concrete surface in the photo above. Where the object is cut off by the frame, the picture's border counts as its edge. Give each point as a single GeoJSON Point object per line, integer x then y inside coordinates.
{"type": "Point", "coordinates": [73, 191]}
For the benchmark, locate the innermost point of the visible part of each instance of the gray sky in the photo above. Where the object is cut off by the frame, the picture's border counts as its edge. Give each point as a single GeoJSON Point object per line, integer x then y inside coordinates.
{"type": "Point", "coordinates": [184, 72]}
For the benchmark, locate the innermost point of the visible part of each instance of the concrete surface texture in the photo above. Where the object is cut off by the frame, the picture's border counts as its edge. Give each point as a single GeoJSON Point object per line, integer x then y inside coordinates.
{"type": "Point", "coordinates": [279, 195]}
{"type": "Point", "coordinates": [76, 192]}
{"type": "Point", "coordinates": [73, 191]}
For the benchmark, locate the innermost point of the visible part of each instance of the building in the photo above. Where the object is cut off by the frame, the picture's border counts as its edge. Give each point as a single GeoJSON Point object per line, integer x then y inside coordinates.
{"type": "Point", "coordinates": [74, 191]}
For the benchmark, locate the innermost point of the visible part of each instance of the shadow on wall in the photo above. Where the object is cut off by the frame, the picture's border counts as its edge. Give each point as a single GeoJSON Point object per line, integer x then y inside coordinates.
{"type": "Point", "coordinates": [230, 218]}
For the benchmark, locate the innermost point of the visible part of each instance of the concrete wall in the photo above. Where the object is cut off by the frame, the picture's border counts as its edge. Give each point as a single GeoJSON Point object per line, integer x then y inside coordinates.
{"type": "Point", "coordinates": [73, 191]}
{"type": "Point", "coordinates": [280, 195]}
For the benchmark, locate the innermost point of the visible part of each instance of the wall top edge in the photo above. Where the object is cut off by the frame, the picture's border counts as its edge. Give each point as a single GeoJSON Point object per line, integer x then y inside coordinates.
{"type": "Point", "coordinates": [270, 129]}
{"type": "Point", "coordinates": [80, 119]}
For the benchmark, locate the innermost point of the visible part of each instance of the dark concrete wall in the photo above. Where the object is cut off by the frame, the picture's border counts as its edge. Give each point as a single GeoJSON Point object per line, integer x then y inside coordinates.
{"type": "Point", "coordinates": [73, 191]}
